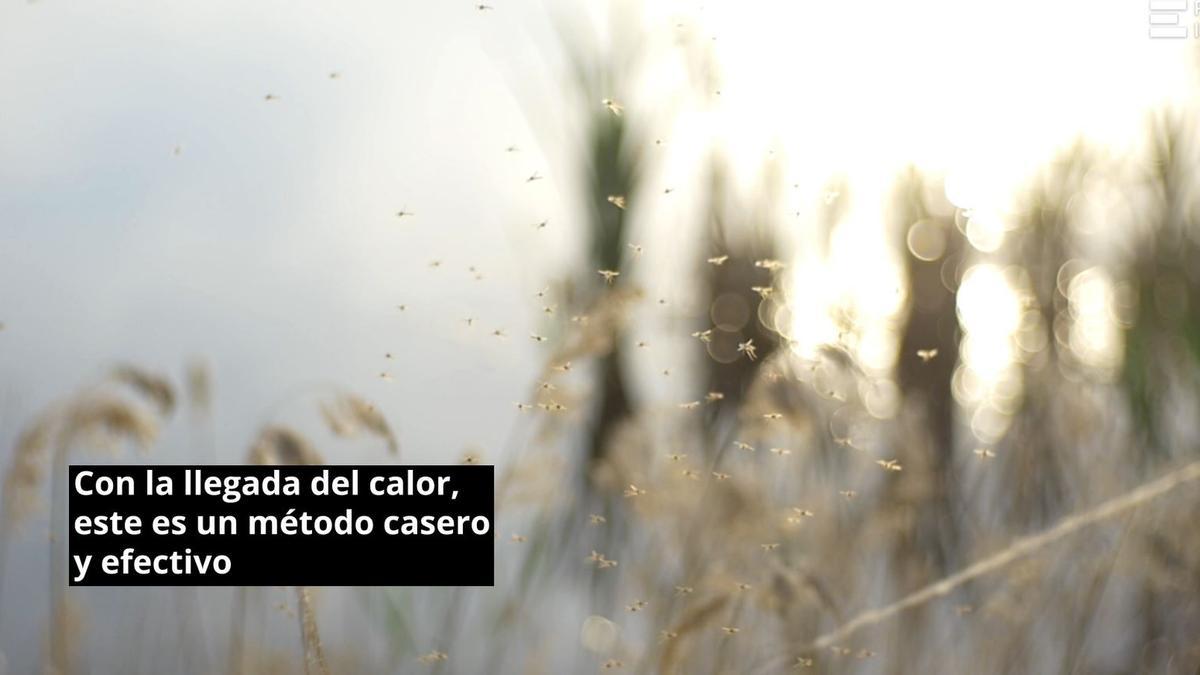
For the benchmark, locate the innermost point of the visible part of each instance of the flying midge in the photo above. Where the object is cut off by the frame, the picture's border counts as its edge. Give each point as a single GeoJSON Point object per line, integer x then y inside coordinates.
{"type": "Point", "coordinates": [769, 547]}
{"type": "Point", "coordinates": [676, 457]}
{"type": "Point", "coordinates": [768, 264]}
{"type": "Point", "coordinates": [608, 275]}
{"type": "Point", "coordinates": [470, 321]}
{"type": "Point", "coordinates": [713, 396]}
{"type": "Point", "coordinates": [684, 590]}
{"type": "Point", "coordinates": [782, 452]}
{"type": "Point", "coordinates": [499, 333]}
{"type": "Point", "coordinates": [533, 176]}
{"type": "Point", "coordinates": [927, 355]}
{"type": "Point", "coordinates": [612, 664]}
{"type": "Point", "coordinates": [667, 635]}
{"type": "Point", "coordinates": [690, 405]}
{"type": "Point", "coordinates": [637, 249]}
{"type": "Point", "coordinates": [523, 407]}
{"type": "Point", "coordinates": [688, 473]}
{"type": "Point", "coordinates": [848, 494]}
{"type": "Point", "coordinates": [718, 260]}
{"type": "Point", "coordinates": [563, 367]}
{"type": "Point", "coordinates": [270, 97]}
{"type": "Point", "coordinates": [984, 453]}
{"type": "Point", "coordinates": [634, 491]}
{"type": "Point", "coordinates": [512, 148]}
{"type": "Point", "coordinates": [730, 630]}
{"type": "Point", "coordinates": [613, 107]}
{"type": "Point", "coordinates": [636, 606]}
{"type": "Point", "coordinates": [541, 225]}
{"type": "Point", "coordinates": [433, 657]}
{"type": "Point", "coordinates": [596, 519]}
{"type": "Point", "coordinates": [519, 538]}
{"type": "Point", "coordinates": [763, 291]}
{"type": "Point", "coordinates": [772, 416]}
{"type": "Point", "coordinates": [538, 338]}
{"type": "Point", "coordinates": [720, 476]}
{"type": "Point", "coordinates": [617, 201]}
{"type": "Point", "coordinates": [743, 446]}
{"type": "Point", "coordinates": [748, 349]}
{"type": "Point", "coordinates": [642, 344]}
{"type": "Point", "coordinates": [889, 464]}
{"type": "Point", "coordinates": [435, 263]}
{"type": "Point", "coordinates": [703, 335]}
{"type": "Point", "coordinates": [601, 561]}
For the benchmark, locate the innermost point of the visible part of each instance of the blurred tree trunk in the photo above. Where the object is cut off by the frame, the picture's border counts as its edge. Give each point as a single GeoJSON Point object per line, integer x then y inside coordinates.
{"type": "Point", "coordinates": [931, 324]}
{"type": "Point", "coordinates": [1043, 449]}
{"type": "Point", "coordinates": [731, 306]}
{"type": "Point", "coordinates": [611, 186]}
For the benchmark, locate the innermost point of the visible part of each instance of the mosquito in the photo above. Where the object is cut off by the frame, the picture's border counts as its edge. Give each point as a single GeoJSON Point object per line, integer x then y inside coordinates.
{"type": "Point", "coordinates": [748, 349]}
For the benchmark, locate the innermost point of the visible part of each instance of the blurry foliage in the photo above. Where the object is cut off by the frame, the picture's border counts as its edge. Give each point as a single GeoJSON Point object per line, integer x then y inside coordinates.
{"type": "Point", "coordinates": [1162, 342]}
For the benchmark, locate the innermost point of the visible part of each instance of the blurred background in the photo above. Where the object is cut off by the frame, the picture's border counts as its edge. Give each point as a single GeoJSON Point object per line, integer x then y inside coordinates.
{"type": "Point", "coordinates": [851, 337]}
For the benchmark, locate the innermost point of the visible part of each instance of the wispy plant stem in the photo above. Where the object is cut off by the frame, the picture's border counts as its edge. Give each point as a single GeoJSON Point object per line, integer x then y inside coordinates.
{"type": "Point", "coordinates": [1019, 549]}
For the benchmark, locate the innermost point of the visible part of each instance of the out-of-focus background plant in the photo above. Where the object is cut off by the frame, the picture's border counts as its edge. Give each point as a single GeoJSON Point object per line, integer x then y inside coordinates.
{"type": "Point", "coordinates": [829, 351]}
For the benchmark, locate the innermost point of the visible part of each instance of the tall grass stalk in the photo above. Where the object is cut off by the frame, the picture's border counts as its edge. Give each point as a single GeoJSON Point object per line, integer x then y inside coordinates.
{"type": "Point", "coordinates": [1017, 550]}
